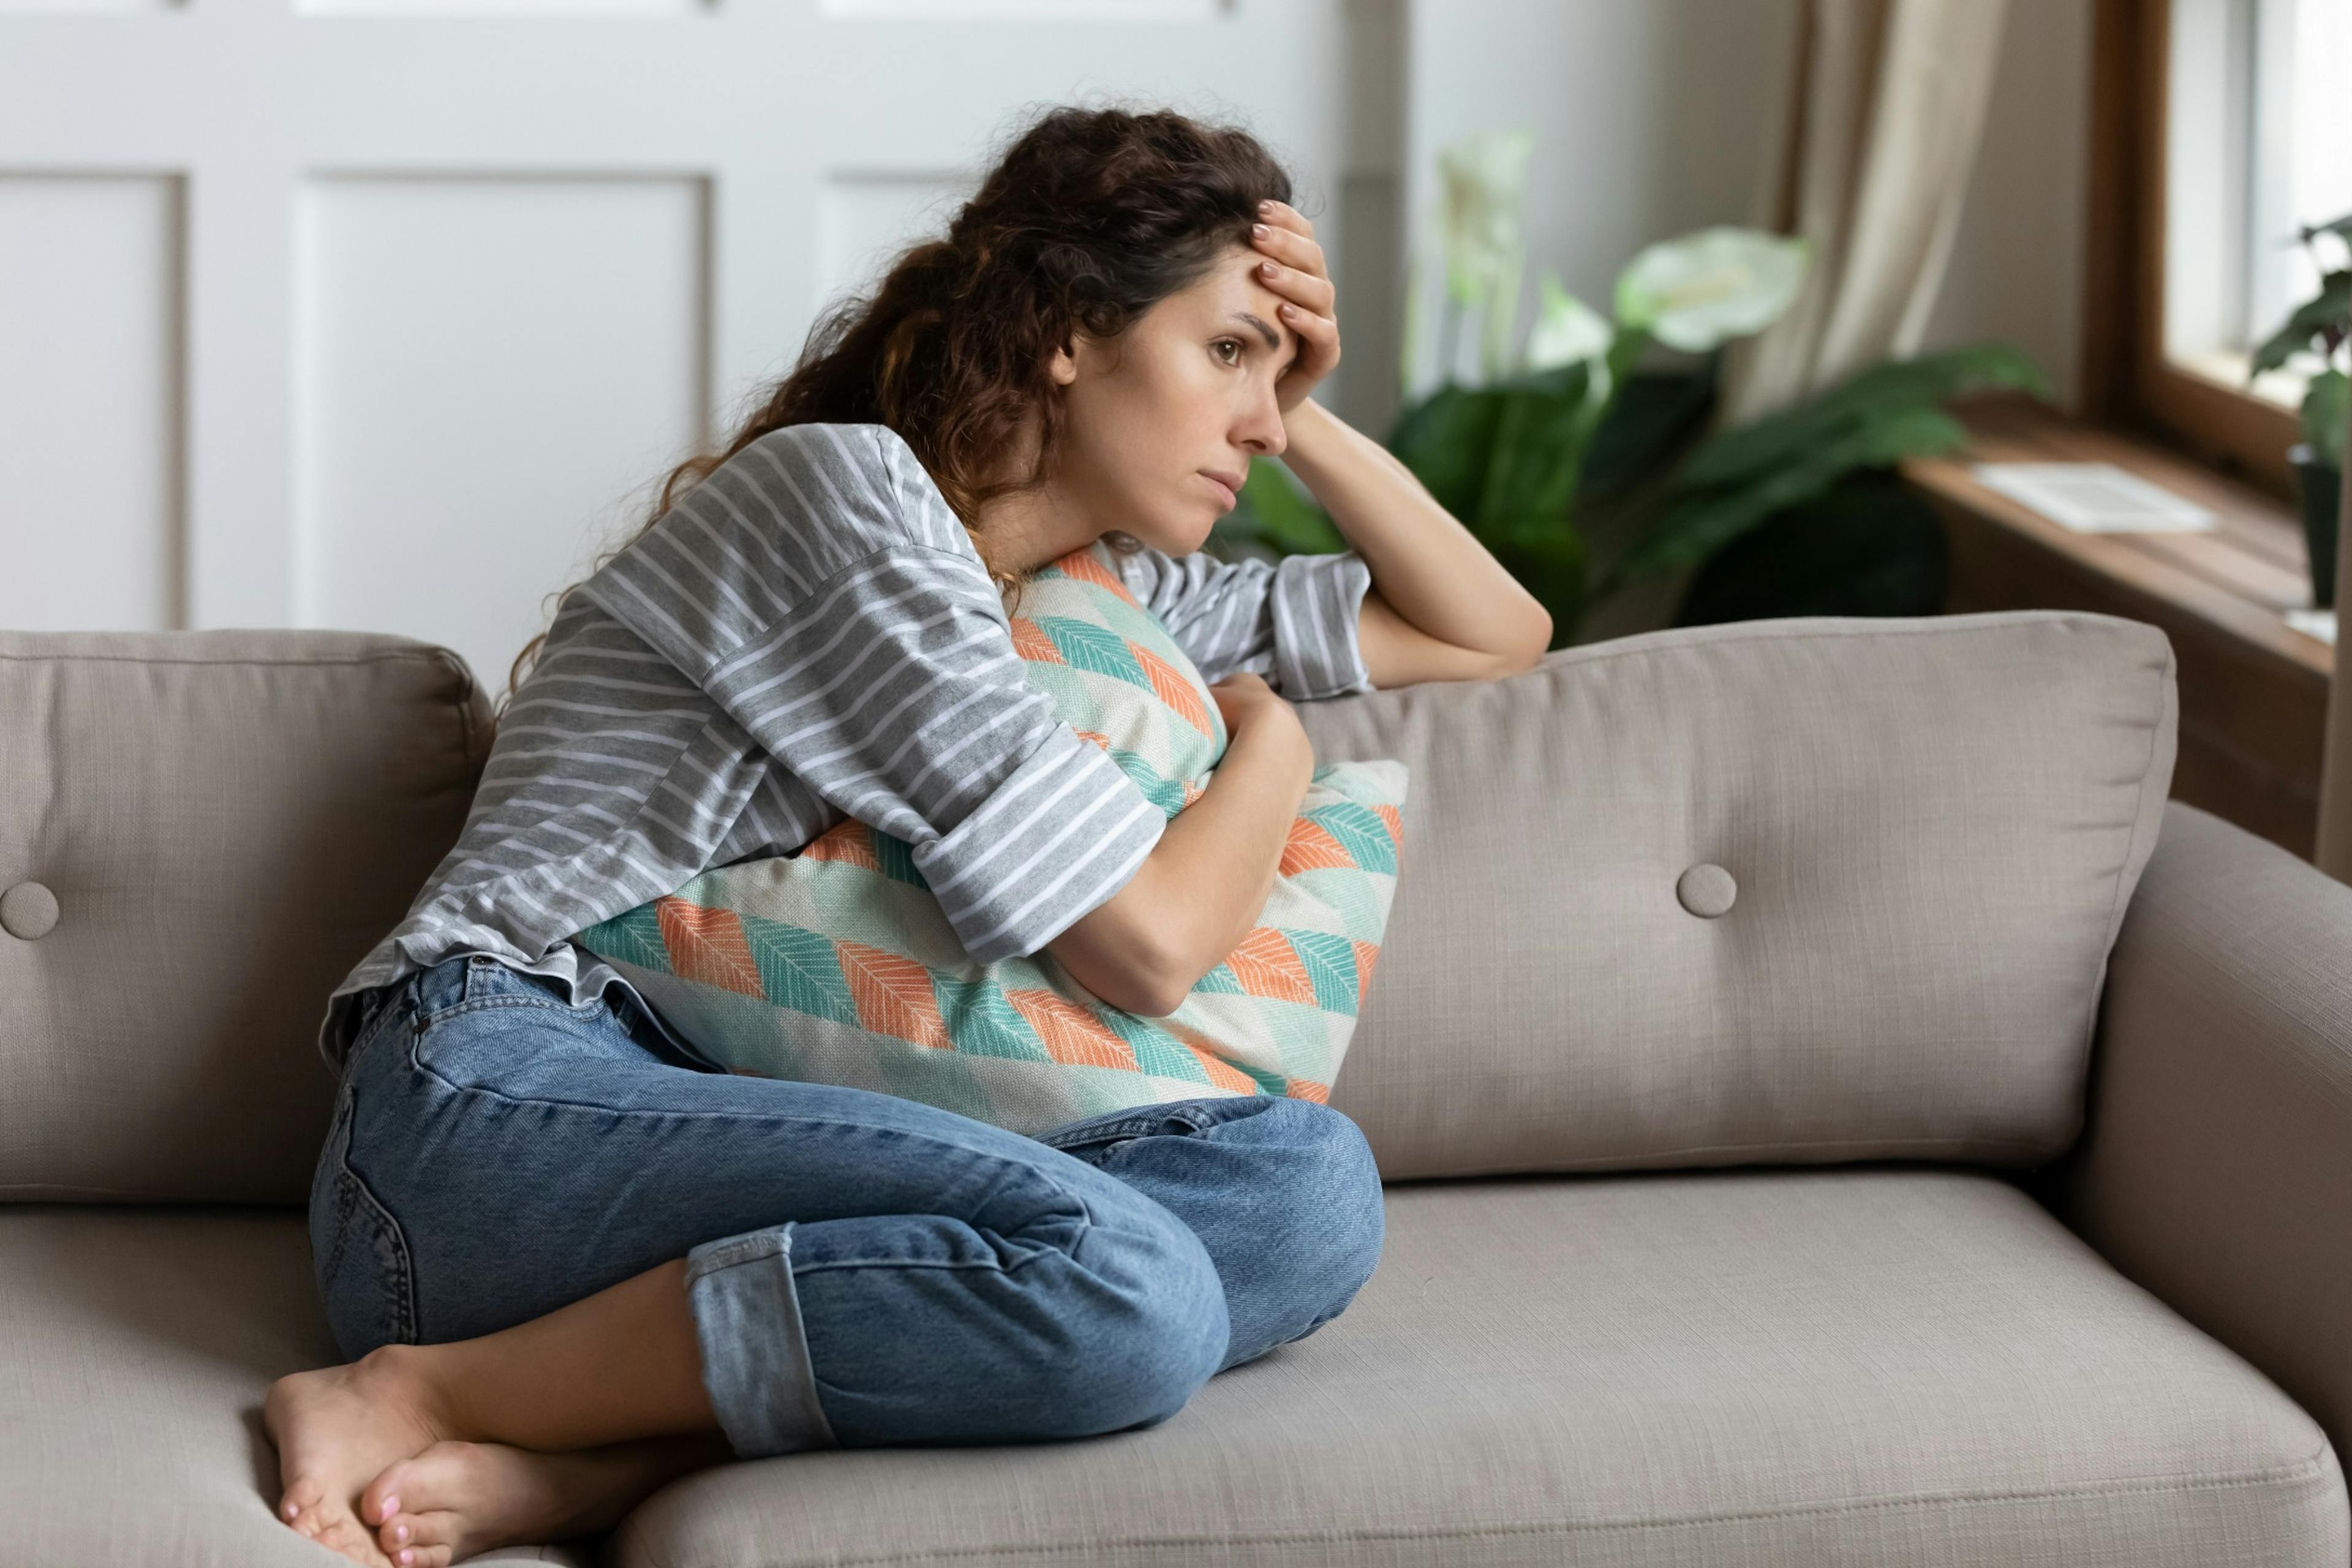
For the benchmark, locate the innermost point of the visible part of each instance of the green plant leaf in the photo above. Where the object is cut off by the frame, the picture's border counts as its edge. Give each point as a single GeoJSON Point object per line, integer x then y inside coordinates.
{"type": "Point", "coordinates": [1275, 511]}
{"type": "Point", "coordinates": [1780, 439]}
{"type": "Point", "coordinates": [1700, 521]}
{"type": "Point", "coordinates": [1868, 545]}
{"type": "Point", "coordinates": [1538, 444]}
{"type": "Point", "coordinates": [1652, 416]}
{"type": "Point", "coordinates": [2326, 409]}
{"type": "Point", "coordinates": [2330, 309]}
{"type": "Point", "coordinates": [1448, 439]}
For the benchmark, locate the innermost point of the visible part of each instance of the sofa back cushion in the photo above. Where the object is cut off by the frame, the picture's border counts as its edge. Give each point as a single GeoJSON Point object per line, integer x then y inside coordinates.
{"type": "Point", "coordinates": [1926, 832]}
{"type": "Point", "coordinates": [200, 834]}
{"type": "Point", "coordinates": [1815, 889]}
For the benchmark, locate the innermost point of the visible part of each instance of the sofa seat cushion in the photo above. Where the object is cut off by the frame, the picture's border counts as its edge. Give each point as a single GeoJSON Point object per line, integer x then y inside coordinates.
{"type": "Point", "coordinates": [1852, 1365]}
{"type": "Point", "coordinates": [139, 1345]}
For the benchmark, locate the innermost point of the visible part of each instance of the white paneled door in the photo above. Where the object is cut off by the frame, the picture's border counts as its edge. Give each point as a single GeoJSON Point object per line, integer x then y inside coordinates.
{"type": "Point", "coordinates": [386, 314]}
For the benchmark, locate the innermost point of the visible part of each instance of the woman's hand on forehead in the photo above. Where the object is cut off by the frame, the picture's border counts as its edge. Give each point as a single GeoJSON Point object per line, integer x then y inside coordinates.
{"type": "Point", "coordinates": [1294, 269]}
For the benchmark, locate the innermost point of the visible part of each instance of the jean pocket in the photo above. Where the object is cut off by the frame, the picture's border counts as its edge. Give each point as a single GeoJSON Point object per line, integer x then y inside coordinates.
{"type": "Point", "coordinates": [488, 984]}
{"type": "Point", "coordinates": [358, 1253]}
{"type": "Point", "coordinates": [1092, 1137]}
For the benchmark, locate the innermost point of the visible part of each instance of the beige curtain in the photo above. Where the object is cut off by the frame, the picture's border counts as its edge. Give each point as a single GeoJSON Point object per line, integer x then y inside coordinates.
{"type": "Point", "coordinates": [2334, 852]}
{"type": "Point", "coordinates": [1882, 129]}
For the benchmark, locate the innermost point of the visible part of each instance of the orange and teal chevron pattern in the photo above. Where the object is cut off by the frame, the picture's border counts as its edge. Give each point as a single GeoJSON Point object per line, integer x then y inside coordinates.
{"type": "Point", "coordinates": [835, 966]}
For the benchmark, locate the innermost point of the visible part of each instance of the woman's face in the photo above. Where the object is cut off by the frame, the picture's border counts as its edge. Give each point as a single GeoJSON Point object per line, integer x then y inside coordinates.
{"type": "Point", "coordinates": [1160, 422]}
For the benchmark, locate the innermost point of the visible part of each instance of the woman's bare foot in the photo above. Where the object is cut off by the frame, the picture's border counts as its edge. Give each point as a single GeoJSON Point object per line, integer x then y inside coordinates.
{"type": "Point", "coordinates": [456, 1499]}
{"type": "Point", "coordinates": [337, 1428]}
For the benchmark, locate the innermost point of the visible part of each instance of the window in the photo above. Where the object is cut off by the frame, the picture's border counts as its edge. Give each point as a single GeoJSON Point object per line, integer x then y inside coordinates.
{"type": "Point", "coordinates": [2220, 129]}
{"type": "Point", "coordinates": [2259, 134]}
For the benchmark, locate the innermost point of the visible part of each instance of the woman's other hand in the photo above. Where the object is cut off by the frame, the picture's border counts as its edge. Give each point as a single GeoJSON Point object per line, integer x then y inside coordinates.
{"type": "Point", "coordinates": [1240, 694]}
{"type": "Point", "coordinates": [1247, 701]}
{"type": "Point", "coordinates": [1294, 268]}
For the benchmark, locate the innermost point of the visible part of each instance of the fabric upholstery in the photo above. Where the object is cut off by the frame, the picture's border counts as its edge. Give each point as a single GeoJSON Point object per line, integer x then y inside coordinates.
{"type": "Point", "coordinates": [139, 1345]}
{"type": "Point", "coordinates": [228, 820]}
{"type": "Point", "coordinates": [2217, 1166]}
{"type": "Point", "coordinates": [1929, 829]}
{"type": "Point", "coordinates": [1891, 1367]}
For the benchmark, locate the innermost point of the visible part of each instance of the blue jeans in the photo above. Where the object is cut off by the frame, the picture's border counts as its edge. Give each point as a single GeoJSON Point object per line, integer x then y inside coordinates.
{"type": "Point", "coordinates": [862, 1269]}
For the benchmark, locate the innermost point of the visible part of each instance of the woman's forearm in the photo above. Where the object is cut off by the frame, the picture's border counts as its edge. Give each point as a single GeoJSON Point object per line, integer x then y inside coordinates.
{"type": "Point", "coordinates": [1218, 857]}
{"type": "Point", "coordinates": [1426, 564]}
{"type": "Point", "coordinates": [1203, 885]}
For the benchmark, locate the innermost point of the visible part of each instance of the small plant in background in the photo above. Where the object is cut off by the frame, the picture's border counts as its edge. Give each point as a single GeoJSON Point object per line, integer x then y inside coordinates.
{"type": "Point", "coordinates": [1569, 418]}
{"type": "Point", "coordinates": [1482, 185]}
{"type": "Point", "coordinates": [1785, 461]}
{"type": "Point", "coordinates": [2321, 325]}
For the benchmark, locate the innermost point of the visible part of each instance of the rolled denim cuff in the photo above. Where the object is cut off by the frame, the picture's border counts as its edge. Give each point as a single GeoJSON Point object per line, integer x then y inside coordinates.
{"type": "Point", "coordinates": [755, 1356]}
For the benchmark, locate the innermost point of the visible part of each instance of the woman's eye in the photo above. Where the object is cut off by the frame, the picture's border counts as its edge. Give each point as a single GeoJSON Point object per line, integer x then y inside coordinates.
{"type": "Point", "coordinates": [1222, 344]}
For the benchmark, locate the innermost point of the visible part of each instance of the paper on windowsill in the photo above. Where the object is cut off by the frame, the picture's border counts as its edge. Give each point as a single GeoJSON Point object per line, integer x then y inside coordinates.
{"type": "Point", "coordinates": [2320, 624]}
{"type": "Point", "coordinates": [2095, 498]}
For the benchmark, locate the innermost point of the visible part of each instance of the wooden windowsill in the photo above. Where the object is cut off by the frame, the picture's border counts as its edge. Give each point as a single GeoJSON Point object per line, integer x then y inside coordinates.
{"type": "Point", "coordinates": [2253, 689]}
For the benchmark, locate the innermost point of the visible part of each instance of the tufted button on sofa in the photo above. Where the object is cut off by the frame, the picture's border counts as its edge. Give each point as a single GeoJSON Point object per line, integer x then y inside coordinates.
{"type": "Point", "coordinates": [1833, 1108]}
{"type": "Point", "coordinates": [28, 911]}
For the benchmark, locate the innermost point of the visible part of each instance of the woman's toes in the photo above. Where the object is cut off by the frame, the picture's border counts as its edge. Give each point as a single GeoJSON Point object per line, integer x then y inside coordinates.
{"type": "Point", "coordinates": [424, 1479]}
{"type": "Point", "coordinates": [381, 1498]}
{"type": "Point", "coordinates": [439, 1528]}
{"type": "Point", "coordinates": [422, 1556]}
{"type": "Point", "coordinates": [304, 1494]}
{"type": "Point", "coordinates": [354, 1540]}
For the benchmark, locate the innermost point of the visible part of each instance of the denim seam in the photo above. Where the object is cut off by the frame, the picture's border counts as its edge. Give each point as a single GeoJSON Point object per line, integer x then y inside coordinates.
{"type": "Point", "coordinates": [474, 1005]}
{"type": "Point", "coordinates": [350, 1190]}
{"type": "Point", "coordinates": [340, 1235]}
{"type": "Point", "coordinates": [387, 1016]}
{"type": "Point", "coordinates": [1134, 1126]}
{"type": "Point", "coordinates": [997, 1264]}
{"type": "Point", "coordinates": [769, 1118]}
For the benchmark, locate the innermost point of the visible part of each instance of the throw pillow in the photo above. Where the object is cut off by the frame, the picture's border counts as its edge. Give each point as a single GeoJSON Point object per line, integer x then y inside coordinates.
{"type": "Point", "coordinates": [835, 966]}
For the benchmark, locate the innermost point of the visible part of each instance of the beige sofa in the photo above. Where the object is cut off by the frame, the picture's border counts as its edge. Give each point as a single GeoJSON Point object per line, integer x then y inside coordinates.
{"type": "Point", "coordinates": [1837, 1111]}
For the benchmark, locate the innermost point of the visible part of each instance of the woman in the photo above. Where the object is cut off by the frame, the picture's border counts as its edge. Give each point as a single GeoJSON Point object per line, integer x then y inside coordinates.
{"type": "Point", "coordinates": [569, 1261]}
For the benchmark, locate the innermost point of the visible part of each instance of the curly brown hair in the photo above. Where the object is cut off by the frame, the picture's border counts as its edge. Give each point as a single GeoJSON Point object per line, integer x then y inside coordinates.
{"type": "Point", "coordinates": [1087, 219]}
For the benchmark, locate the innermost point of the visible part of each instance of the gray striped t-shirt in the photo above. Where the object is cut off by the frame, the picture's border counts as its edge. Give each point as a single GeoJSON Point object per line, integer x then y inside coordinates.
{"type": "Point", "coordinates": [809, 634]}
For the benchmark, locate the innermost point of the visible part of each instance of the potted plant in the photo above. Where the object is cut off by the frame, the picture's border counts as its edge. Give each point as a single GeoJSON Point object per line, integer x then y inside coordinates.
{"type": "Point", "coordinates": [1567, 421]}
{"type": "Point", "coordinates": [2320, 325]}
{"type": "Point", "coordinates": [1506, 452]}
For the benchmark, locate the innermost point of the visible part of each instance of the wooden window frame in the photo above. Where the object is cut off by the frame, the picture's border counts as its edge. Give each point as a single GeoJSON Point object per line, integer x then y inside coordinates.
{"type": "Point", "coordinates": [2127, 381]}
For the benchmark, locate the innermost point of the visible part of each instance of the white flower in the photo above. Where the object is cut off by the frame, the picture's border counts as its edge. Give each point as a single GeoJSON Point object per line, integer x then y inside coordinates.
{"type": "Point", "coordinates": [1567, 331]}
{"type": "Point", "coordinates": [1485, 179]}
{"type": "Point", "coordinates": [1695, 292]}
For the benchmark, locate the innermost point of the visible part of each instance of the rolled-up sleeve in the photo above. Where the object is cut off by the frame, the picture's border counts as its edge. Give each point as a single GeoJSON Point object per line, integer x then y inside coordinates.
{"type": "Point", "coordinates": [1294, 621]}
{"type": "Point", "coordinates": [890, 685]}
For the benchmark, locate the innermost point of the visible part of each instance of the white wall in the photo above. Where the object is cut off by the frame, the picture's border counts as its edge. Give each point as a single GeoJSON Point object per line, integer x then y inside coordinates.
{"type": "Point", "coordinates": [1652, 118]}
{"type": "Point", "coordinates": [394, 335]}
{"type": "Point", "coordinates": [383, 314]}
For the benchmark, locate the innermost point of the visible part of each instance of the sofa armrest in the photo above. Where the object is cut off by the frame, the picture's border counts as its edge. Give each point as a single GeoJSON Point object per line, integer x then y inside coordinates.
{"type": "Point", "coordinates": [2215, 1167]}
